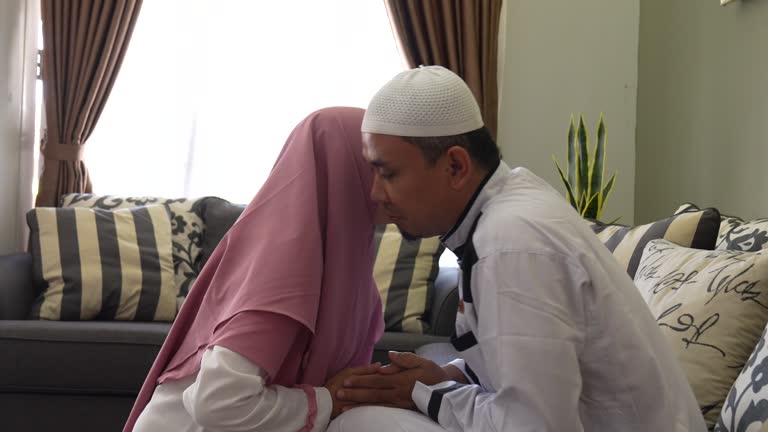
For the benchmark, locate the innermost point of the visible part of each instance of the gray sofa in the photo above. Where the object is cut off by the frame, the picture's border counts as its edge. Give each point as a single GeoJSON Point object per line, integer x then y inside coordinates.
{"type": "Point", "coordinates": [84, 376]}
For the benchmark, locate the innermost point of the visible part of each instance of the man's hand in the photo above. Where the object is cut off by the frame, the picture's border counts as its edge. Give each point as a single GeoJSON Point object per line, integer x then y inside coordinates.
{"type": "Point", "coordinates": [393, 384]}
{"type": "Point", "coordinates": [334, 384]}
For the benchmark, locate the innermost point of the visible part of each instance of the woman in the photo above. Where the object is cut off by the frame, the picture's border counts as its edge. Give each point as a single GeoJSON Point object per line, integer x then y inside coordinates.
{"type": "Point", "coordinates": [285, 303]}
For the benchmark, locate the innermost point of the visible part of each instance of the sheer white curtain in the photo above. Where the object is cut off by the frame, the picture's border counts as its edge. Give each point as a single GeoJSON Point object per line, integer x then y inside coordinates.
{"type": "Point", "coordinates": [210, 89]}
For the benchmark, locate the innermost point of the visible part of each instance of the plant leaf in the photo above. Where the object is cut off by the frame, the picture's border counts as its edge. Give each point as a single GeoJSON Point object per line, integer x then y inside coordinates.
{"type": "Point", "coordinates": [582, 202]}
{"type": "Point", "coordinates": [572, 152]}
{"type": "Point", "coordinates": [590, 210]}
{"type": "Point", "coordinates": [568, 189]}
{"type": "Point", "coordinates": [583, 165]}
{"type": "Point", "coordinates": [607, 192]}
{"type": "Point", "coordinates": [598, 163]}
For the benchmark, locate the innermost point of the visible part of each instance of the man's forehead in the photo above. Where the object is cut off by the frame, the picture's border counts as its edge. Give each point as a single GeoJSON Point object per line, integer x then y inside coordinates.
{"type": "Point", "coordinates": [369, 151]}
{"type": "Point", "coordinates": [374, 148]}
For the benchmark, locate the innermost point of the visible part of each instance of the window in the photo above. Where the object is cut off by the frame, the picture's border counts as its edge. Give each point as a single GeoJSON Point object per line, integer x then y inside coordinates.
{"type": "Point", "coordinates": [209, 90]}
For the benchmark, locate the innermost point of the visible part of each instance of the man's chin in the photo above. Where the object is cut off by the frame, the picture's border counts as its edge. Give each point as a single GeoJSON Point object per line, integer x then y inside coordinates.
{"type": "Point", "coordinates": [407, 235]}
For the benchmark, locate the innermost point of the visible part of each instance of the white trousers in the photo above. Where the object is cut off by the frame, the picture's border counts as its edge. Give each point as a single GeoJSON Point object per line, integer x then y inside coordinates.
{"type": "Point", "coordinates": [381, 419]}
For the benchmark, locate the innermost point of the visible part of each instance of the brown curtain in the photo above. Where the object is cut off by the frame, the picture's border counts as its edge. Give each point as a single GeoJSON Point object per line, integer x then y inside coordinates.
{"type": "Point", "coordinates": [84, 45]}
{"type": "Point", "coordinates": [461, 35]}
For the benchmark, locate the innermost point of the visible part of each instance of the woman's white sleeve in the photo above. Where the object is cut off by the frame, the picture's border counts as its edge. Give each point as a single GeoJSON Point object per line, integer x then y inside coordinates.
{"type": "Point", "coordinates": [230, 395]}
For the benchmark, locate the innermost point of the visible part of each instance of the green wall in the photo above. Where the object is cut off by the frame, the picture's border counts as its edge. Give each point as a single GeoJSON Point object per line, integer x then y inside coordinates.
{"type": "Point", "coordinates": [702, 107]}
{"type": "Point", "coordinates": [567, 56]}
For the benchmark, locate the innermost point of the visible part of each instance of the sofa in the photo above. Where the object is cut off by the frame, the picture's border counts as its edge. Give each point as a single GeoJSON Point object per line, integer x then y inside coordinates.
{"type": "Point", "coordinates": [84, 375]}
{"type": "Point", "coordinates": [703, 275]}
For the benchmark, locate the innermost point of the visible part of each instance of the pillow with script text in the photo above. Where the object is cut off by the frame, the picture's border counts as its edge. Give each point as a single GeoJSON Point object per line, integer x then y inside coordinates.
{"type": "Point", "coordinates": [711, 306]}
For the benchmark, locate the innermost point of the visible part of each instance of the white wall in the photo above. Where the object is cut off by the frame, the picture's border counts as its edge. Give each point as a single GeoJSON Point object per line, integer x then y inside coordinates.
{"type": "Point", "coordinates": [565, 56]}
{"type": "Point", "coordinates": [17, 51]}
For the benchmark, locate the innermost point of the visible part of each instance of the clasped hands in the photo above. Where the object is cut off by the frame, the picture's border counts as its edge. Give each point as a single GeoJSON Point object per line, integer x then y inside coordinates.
{"type": "Point", "coordinates": [389, 385]}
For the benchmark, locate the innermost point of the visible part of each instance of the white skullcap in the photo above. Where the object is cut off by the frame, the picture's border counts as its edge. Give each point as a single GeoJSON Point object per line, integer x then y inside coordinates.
{"type": "Point", "coordinates": [428, 101]}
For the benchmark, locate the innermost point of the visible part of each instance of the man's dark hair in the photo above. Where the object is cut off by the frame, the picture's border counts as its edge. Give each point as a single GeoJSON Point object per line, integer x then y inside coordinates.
{"type": "Point", "coordinates": [478, 143]}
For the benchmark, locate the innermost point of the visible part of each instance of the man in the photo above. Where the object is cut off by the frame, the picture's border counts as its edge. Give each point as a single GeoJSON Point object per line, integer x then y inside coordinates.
{"type": "Point", "coordinates": [552, 334]}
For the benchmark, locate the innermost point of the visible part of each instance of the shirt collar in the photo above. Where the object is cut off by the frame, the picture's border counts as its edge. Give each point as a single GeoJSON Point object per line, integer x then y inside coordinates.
{"type": "Point", "coordinates": [457, 236]}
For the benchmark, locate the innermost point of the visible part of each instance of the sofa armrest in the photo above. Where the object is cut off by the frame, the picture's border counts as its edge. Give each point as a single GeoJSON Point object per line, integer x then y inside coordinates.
{"type": "Point", "coordinates": [445, 302]}
{"type": "Point", "coordinates": [17, 288]}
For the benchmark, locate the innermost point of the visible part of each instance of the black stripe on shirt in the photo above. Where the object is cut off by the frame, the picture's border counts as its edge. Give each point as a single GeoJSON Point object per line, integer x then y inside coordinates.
{"type": "Point", "coordinates": [468, 259]}
{"type": "Point", "coordinates": [471, 203]}
{"type": "Point", "coordinates": [436, 399]}
{"type": "Point", "coordinates": [471, 373]}
{"type": "Point", "coordinates": [464, 342]}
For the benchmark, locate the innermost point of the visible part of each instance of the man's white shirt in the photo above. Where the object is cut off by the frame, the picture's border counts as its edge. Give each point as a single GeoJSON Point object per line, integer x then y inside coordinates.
{"type": "Point", "coordinates": [552, 333]}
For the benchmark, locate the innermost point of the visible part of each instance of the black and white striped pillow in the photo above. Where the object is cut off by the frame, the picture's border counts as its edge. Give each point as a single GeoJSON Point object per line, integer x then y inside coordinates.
{"type": "Point", "coordinates": [103, 265]}
{"type": "Point", "coordinates": [736, 233]}
{"type": "Point", "coordinates": [187, 229]}
{"type": "Point", "coordinates": [405, 272]}
{"type": "Point", "coordinates": [697, 230]}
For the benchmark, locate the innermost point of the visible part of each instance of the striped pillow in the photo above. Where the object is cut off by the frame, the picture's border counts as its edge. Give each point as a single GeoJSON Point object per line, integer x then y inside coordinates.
{"type": "Point", "coordinates": [697, 230]}
{"type": "Point", "coordinates": [736, 233]}
{"type": "Point", "coordinates": [103, 265]}
{"type": "Point", "coordinates": [405, 272]}
{"type": "Point", "coordinates": [187, 229]}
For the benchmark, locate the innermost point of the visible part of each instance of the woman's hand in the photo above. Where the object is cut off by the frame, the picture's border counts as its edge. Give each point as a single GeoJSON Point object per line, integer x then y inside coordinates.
{"type": "Point", "coordinates": [337, 382]}
{"type": "Point", "coordinates": [393, 384]}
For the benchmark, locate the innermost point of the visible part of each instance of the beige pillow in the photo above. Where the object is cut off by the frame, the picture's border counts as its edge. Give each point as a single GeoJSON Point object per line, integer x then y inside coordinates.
{"type": "Point", "coordinates": [187, 229]}
{"type": "Point", "coordinates": [405, 272]}
{"type": "Point", "coordinates": [102, 265]}
{"type": "Point", "coordinates": [736, 233]}
{"type": "Point", "coordinates": [697, 230]}
{"type": "Point", "coordinates": [711, 307]}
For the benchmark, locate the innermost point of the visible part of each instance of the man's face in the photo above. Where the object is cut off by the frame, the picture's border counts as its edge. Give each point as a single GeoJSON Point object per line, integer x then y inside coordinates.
{"type": "Point", "coordinates": [412, 192]}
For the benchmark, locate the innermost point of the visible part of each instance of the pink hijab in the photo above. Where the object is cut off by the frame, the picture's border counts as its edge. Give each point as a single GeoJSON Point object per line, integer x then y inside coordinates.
{"type": "Point", "coordinates": [301, 256]}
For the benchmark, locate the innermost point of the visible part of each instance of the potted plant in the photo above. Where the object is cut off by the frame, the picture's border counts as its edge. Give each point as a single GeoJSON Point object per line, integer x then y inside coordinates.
{"type": "Point", "coordinates": [583, 179]}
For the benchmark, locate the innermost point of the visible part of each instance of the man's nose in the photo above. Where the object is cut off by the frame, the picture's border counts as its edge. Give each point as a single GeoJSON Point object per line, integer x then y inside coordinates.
{"type": "Point", "coordinates": [377, 192]}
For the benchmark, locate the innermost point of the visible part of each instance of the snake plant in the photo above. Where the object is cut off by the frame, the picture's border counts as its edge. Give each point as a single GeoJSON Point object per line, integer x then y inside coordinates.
{"type": "Point", "coordinates": [583, 179]}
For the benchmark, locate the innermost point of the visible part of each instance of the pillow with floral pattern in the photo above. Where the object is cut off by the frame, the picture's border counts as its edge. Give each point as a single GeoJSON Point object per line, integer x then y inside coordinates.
{"type": "Point", "coordinates": [746, 407]}
{"type": "Point", "coordinates": [186, 225]}
{"type": "Point", "coordinates": [736, 233]}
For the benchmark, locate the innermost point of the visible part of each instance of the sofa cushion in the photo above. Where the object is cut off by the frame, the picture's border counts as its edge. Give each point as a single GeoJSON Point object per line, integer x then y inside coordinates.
{"type": "Point", "coordinates": [187, 229]}
{"type": "Point", "coordinates": [746, 407]}
{"type": "Point", "coordinates": [218, 216]}
{"type": "Point", "coordinates": [711, 306]}
{"type": "Point", "coordinates": [101, 264]}
{"type": "Point", "coordinates": [697, 230]}
{"type": "Point", "coordinates": [736, 233]}
{"type": "Point", "coordinates": [405, 272]}
{"type": "Point", "coordinates": [87, 357]}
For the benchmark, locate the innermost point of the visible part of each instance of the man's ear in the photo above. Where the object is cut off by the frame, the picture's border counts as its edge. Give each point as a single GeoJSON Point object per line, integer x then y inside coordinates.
{"type": "Point", "coordinates": [459, 166]}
